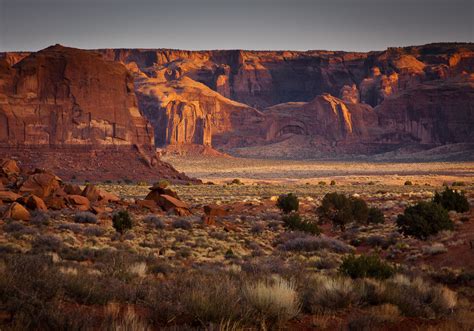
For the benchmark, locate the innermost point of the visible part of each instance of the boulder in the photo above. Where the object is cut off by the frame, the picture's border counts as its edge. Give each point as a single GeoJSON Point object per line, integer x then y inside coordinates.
{"type": "Point", "coordinates": [35, 203]}
{"type": "Point", "coordinates": [79, 202]}
{"type": "Point", "coordinates": [159, 189]}
{"type": "Point", "coordinates": [148, 204]}
{"type": "Point", "coordinates": [108, 197]}
{"type": "Point", "coordinates": [17, 212]}
{"type": "Point", "coordinates": [72, 189]}
{"type": "Point", "coordinates": [169, 203]}
{"type": "Point", "coordinates": [56, 202]}
{"type": "Point", "coordinates": [9, 196]}
{"type": "Point", "coordinates": [211, 212]}
{"type": "Point", "coordinates": [40, 184]}
{"type": "Point", "coordinates": [91, 193]}
{"type": "Point", "coordinates": [9, 168]}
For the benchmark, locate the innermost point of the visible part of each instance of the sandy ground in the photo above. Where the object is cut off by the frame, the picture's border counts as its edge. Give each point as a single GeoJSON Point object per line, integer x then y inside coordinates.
{"type": "Point", "coordinates": [218, 170]}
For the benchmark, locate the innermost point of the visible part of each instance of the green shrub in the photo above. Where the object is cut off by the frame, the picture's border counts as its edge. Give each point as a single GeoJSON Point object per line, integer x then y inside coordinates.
{"type": "Point", "coordinates": [322, 183]}
{"type": "Point", "coordinates": [122, 221]}
{"type": "Point", "coordinates": [341, 210]}
{"type": "Point", "coordinates": [294, 222]}
{"type": "Point", "coordinates": [424, 219]}
{"type": "Point", "coordinates": [452, 200]}
{"type": "Point", "coordinates": [333, 182]}
{"type": "Point", "coordinates": [288, 203]}
{"type": "Point", "coordinates": [235, 181]}
{"type": "Point", "coordinates": [375, 216]}
{"type": "Point", "coordinates": [366, 266]}
{"type": "Point", "coordinates": [408, 183]}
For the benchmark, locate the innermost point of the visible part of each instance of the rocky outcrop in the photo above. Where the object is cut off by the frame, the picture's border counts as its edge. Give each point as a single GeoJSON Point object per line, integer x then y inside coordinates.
{"type": "Point", "coordinates": [184, 111]}
{"type": "Point", "coordinates": [332, 101]}
{"type": "Point", "coordinates": [66, 101]}
{"type": "Point", "coordinates": [326, 123]}
{"type": "Point", "coordinates": [63, 96]}
{"type": "Point", "coordinates": [433, 113]}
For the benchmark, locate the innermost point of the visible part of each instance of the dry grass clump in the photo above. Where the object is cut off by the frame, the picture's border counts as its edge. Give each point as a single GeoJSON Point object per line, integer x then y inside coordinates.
{"type": "Point", "coordinates": [322, 293]}
{"type": "Point", "coordinates": [307, 243]}
{"type": "Point", "coordinates": [329, 293]}
{"type": "Point", "coordinates": [424, 299]}
{"type": "Point", "coordinates": [274, 300]}
{"type": "Point", "coordinates": [85, 217]}
{"type": "Point", "coordinates": [182, 224]}
{"type": "Point", "coordinates": [123, 319]}
{"type": "Point", "coordinates": [154, 221]}
{"type": "Point", "coordinates": [437, 248]}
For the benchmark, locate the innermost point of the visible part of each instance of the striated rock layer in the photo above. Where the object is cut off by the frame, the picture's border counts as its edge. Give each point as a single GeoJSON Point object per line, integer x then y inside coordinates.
{"type": "Point", "coordinates": [330, 102]}
{"type": "Point", "coordinates": [73, 102]}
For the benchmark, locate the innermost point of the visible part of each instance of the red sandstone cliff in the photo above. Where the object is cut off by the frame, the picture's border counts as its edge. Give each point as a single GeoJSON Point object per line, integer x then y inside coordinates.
{"type": "Point", "coordinates": [74, 102]}
{"type": "Point", "coordinates": [226, 99]}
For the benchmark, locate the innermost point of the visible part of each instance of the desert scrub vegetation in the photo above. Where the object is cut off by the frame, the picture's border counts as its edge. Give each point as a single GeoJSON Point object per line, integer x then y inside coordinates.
{"type": "Point", "coordinates": [294, 222]}
{"type": "Point", "coordinates": [363, 266]}
{"type": "Point", "coordinates": [423, 220]}
{"type": "Point", "coordinates": [154, 221]}
{"type": "Point", "coordinates": [85, 217]}
{"type": "Point", "coordinates": [451, 199]}
{"type": "Point", "coordinates": [288, 203]}
{"type": "Point", "coordinates": [414, 297]}
{"type": "Point", "coordinates": [122, 221]}
{"type": "Point", "coordinates": [342, 210]}
{"type": "Point", "coordinates": [37, 293]}
{"type": "Point", "coordinates": [274, 300]}
{"type": "Point", "coordinates": [302, 242]}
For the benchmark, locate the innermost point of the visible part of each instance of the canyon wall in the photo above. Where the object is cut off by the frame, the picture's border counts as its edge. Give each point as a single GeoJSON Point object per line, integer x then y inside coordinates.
{"type": "Point", "coordinates": [366, 102]}
{"type": "Point", "coordinates": [74, 102]}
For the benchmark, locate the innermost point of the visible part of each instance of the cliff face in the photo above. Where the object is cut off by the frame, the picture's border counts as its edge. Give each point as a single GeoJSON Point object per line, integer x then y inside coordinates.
{"type": "Point", "coordinates": [227, 99]}
{"type": "Point", "coordinates": [65, 100]}
{"type": "Point", "coordinates": [64, 96]}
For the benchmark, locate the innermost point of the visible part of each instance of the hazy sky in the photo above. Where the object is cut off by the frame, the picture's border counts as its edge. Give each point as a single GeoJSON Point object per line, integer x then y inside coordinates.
{"type": "Point", "coordinates": [233, 24]}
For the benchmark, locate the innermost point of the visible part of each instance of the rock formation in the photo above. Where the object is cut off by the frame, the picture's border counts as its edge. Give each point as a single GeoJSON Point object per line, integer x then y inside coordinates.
{"type": "Point", "coordinates": [232, 99]}
{"type": "Point", "coordinates": [78, 104]}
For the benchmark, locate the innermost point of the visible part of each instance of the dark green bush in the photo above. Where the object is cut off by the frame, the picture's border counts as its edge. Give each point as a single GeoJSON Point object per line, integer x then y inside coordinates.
{"type": "Point", "coordinates": [452, 200]}
{"type": "Point", "coordinates": [341, 210]}
{"type": "Point", "coordinates": [122, 221]}
{"type": "Point", "coordinates": [424, 219]}
{"type": "Point", "coordinates": [375, 216]}
{"type": "Point", "coordinates": [333, 182]}
{"type": "Point", "coordinates": [288, 203]}
{"type": "Point", "coordinates": [294, 222]}
{"type": "Point", "coordinates": [366, 266]}
{"type": "Point", "coordinates": [408, 183]}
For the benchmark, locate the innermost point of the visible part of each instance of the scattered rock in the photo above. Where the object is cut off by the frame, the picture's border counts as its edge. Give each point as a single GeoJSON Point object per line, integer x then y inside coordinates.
{"type": "Point", "coordinates": [41, 184]}
{"type": "Point", "coordinates": [9, 168]}
{"type": "Point", "coordinates": [169, 203]}
{"type": "Point", "coordinates": [149, 204]}
{"type": "Point", "coordinates": [9, 196]}
{"type": "Point", "coordinates": [35, 203]}
{"type": "Point", "coordinates": [17, 212]}
{"type": "Point", "coordinates": [91, 193]}
{"type": "Point", "coordinates": [72, 189]}
{"type": "Point", "coordinates": [78, 201]}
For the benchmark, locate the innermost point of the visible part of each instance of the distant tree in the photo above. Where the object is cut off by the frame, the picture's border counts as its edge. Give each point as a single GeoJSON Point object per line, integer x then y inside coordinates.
{"type": "Point", "coordinates": [424, 219]}
{"type": "Point", "coordinates": [122, 221]}
{"type": "Point", "coordinates": [341, 210]}
{"type": "Point", "coordinates": [366, 266]}
{"type": "Point", "coordinates": [288, 203]}
{"type": "Point", "coordinates": [375, 216]}
{"type": "Point", "coordinates": [293, 221]}
{"type": "Point", "coordinates": [452, 200]}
